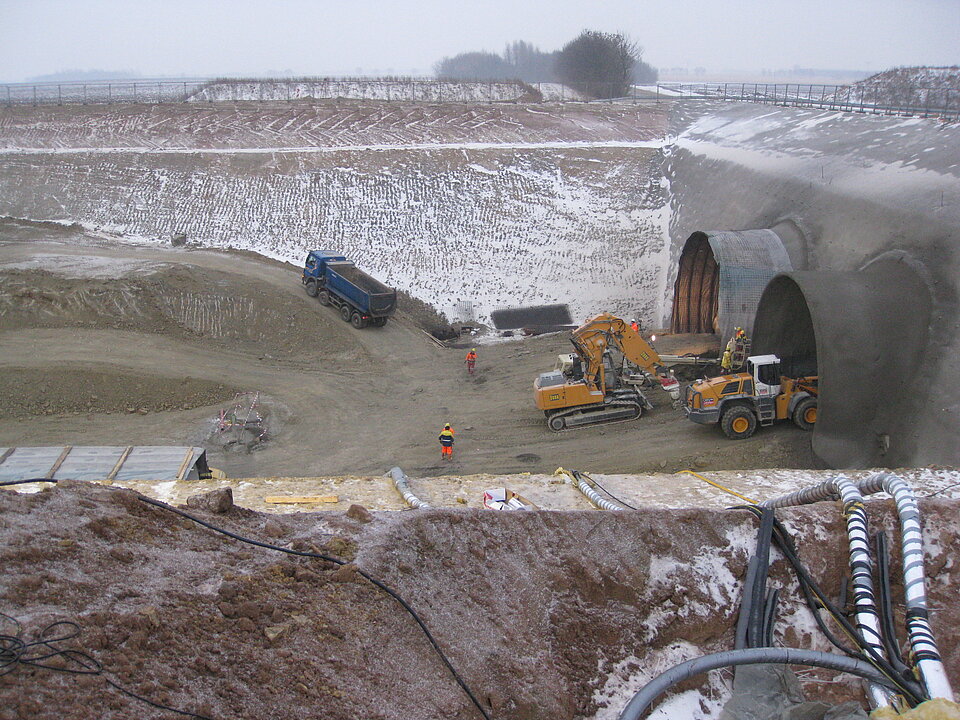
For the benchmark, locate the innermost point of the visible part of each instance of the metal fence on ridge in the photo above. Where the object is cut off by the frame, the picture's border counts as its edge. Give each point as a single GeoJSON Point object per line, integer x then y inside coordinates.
{"type": "Point", "coordinates": [922, 102]}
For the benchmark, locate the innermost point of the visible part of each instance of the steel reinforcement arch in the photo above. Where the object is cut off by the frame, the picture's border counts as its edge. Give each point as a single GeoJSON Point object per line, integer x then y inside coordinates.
{"type": "Point", "coordinates": [721, 277]}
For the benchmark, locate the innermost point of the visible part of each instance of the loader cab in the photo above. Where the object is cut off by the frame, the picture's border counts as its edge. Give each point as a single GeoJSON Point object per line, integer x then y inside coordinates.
{"type": "Point", "coordinates": [765, 371]}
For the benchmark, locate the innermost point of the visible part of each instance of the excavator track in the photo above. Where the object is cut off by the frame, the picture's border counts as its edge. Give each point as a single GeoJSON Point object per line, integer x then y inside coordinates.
{"type": "Point", "coordinates": [617, 410]}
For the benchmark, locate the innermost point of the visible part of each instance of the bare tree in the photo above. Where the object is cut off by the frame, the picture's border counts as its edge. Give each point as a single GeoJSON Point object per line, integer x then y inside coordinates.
{"type": "Point", "coordinates": [599, 64]}
{"type": "Point", "coordinates": [529, 62]}
{"type": "Point", "coordinates": [475, 66]}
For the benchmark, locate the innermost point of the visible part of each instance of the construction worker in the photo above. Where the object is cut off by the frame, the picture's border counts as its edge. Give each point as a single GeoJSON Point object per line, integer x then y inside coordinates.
{"type": "Point", "coordinates": [726, 363]}
{"type": "Point", "coordinates": [446, 443]}
{"type": "Point", "coordinates": [471, 360]}
{"type": "Point", "coordinates": [635, 325]}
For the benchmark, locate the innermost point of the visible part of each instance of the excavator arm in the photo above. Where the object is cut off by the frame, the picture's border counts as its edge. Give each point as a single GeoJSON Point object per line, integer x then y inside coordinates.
{"type": "Point", "coordinates": [595, 336]}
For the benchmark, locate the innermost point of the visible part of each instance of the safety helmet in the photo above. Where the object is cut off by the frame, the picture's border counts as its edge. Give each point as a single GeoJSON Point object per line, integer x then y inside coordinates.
{"type": "Point", "coordinates": [447, 426]}
{"type": "Point", "coordinates": [473, 350]}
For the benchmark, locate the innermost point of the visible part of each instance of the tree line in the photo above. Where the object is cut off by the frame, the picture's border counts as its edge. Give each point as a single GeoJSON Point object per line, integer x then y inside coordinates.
{"type": "Point", "coordinates": [597, 63]}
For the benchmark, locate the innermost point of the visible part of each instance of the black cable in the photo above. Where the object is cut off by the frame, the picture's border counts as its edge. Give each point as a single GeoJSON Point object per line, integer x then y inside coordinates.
{"type": "Point", "coordinates": [885, 597]}
{"type": "Point", "coordinates": [948, 487]}
{"type": "Point", "coordinates": [337, 561]}
{"type": "Point", "coordinates": [577, 474]}
{"type": "Point", "coordinates": [743, 619]}
{"type": "Point", "coordinates": [24, 482]}
{"type": "Point", "coordinates": [769, 612]}
{"type": "Point", "coordinates": [913, 691]}
{"type": "Point", "coordinates": [759, 588]}
{"type": "Point", "coordinates": [44, 651]}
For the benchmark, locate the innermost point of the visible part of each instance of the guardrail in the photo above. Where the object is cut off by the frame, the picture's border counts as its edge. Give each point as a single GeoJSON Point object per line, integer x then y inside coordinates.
{"type": "Point", "coordinates": [927, 102]}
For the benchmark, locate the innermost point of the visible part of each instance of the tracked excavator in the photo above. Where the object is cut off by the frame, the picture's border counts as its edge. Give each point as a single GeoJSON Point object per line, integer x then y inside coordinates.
{"type": "Point", "coordinates": [591, 386]}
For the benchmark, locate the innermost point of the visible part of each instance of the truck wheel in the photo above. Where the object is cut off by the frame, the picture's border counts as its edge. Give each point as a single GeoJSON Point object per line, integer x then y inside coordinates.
{"type": "Point", "coordinates": [556, 423]}
{"type": "Point", "coordinates": [738, 423]}
{"type": "Point", "coordinates": [345, 312]}
{"type": "Point", "coordinates": [312, 288]}
{"type": "Point", "coordinates": [358, 322]}
{"type": "Point", "coordinates": [324, 297]}
{"type": "Point", "coordinates": [379, 322]}
{"type": "Point", "coordinates": [805, 413]}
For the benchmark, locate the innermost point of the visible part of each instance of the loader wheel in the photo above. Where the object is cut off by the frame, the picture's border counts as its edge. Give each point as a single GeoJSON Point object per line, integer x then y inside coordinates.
{"type": "Point", "coordinates": [345, 312]}
{"type": "Point", "coordinates": [324, 297]}
{"type": "Point", "coordinates": [358, 322]}
{"type": "Point", "coordinates": [556, 423]}
{"type": "Point", "coordinates": [738, 423]}
{"type": "Point", "coordinates": [805, 413]}
{"type": "Point", "coordinates": [312, 288]}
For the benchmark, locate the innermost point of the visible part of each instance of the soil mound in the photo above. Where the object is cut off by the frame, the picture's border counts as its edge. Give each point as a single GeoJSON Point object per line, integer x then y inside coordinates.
{"type": "Point", "coordinates": [28, 392]}
{"type": "Point", "coordinates": [182, 301]}
{"type": "Point", "coordinates": [558, 615]}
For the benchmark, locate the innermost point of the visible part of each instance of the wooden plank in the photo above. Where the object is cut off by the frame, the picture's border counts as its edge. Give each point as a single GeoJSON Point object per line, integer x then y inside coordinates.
{"type": "Point", "coordinates": [6, 453]}
{"type": "Point", "coordinates": [116, 468]}
{"type": "Point", "coordinates": [56, 466]}
{"type": "Point", "coordinates": [183, 466]}
{"type": "Point", "coordinates": [297, 499]}
{"type": "Point", "coordinates": [434, 340]}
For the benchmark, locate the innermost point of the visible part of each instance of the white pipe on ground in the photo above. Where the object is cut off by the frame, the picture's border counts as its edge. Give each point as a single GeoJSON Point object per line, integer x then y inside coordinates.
{"type": "Point", "coordinates": [400, 481]}
{"type": "Point", "coordinates": [911, 539]}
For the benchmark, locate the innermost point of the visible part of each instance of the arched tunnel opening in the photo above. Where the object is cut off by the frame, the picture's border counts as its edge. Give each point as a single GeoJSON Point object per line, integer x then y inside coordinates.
{"type": "Point", "coordinates": [864, 333]}
{"type": "Point", "coordinates": [720, 277]}
{"type": "Point", "coordinates": [696, 292]}
{"type": "Point", "coordinates": [783, 327]}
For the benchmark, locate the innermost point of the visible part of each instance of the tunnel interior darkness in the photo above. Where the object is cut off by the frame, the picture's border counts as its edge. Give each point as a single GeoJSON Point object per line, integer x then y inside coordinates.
{"type": "Point", "coordinates": [696, 292]}
{"type": "Point", "coordinates": [785, 328]}
{"type": "Point", "coordinates": [864, 334]}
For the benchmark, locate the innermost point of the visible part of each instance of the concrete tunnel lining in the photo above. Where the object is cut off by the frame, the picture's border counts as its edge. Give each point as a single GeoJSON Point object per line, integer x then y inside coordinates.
{"type": "Point", "coordinates": [865, 334]}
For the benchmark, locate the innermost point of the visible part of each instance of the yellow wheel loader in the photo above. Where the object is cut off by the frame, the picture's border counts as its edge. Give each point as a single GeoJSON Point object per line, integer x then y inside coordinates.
{"type": "Point", "coordinates": [743, 401]}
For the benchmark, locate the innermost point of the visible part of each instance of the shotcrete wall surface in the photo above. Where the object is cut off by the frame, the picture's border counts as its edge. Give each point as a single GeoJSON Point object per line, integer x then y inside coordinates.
{"type": "Point", "coordinates": [865, 356]}
{"type": "Point", "coordinates": [721, 277]}
{"type": "Point", "coordinates": [875, 204]}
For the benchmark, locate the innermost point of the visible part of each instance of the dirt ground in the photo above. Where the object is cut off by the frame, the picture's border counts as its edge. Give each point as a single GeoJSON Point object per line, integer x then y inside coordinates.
{"type": "Point", "coordinates": [104, 343]}
{"type": "Point", "coordinates": [558, 615]}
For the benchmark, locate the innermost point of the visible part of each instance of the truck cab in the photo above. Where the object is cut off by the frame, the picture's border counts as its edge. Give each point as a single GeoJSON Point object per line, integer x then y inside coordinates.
{"type": "Point", "coordinates": [743, 401]}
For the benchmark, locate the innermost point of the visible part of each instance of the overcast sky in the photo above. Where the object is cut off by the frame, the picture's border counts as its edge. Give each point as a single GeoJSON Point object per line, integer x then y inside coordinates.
{"type": "Point", "coordinates": [341, 37]}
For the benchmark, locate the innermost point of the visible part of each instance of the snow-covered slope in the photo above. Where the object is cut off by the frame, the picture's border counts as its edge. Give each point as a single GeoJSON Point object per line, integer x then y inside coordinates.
{"type": "Point", "coordinates": [586, 225]}
{"type": "Point", "coordinates": [537, 206]}
{"type": "Point", "coordinates": [914, 87]}
{"type": "Point", "coordinates": [408, 89]}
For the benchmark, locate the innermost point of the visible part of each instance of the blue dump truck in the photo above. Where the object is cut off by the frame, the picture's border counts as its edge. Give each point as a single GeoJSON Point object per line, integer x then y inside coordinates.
{"type": "Point", "coordinates": [361, 299]}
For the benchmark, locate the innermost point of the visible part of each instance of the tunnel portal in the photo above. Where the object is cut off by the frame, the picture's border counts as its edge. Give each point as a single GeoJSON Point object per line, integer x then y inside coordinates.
{"type": "Point", "coordinates": [720, 278]}
{"type": "Point", "coordinates": [864, 333]}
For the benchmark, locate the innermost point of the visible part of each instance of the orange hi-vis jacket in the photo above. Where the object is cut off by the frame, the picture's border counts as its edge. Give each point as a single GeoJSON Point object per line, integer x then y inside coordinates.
{"type": "Point", "coordinates": [471, 356]}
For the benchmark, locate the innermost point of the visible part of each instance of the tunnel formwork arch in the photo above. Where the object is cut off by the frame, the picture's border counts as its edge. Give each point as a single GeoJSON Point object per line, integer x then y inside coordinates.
{"type": "Point", "coordinates": [721, 277]}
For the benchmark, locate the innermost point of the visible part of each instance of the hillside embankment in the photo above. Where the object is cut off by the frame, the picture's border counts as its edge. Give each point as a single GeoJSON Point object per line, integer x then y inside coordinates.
{"type": "Point", "coordinates": [423, 196]}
